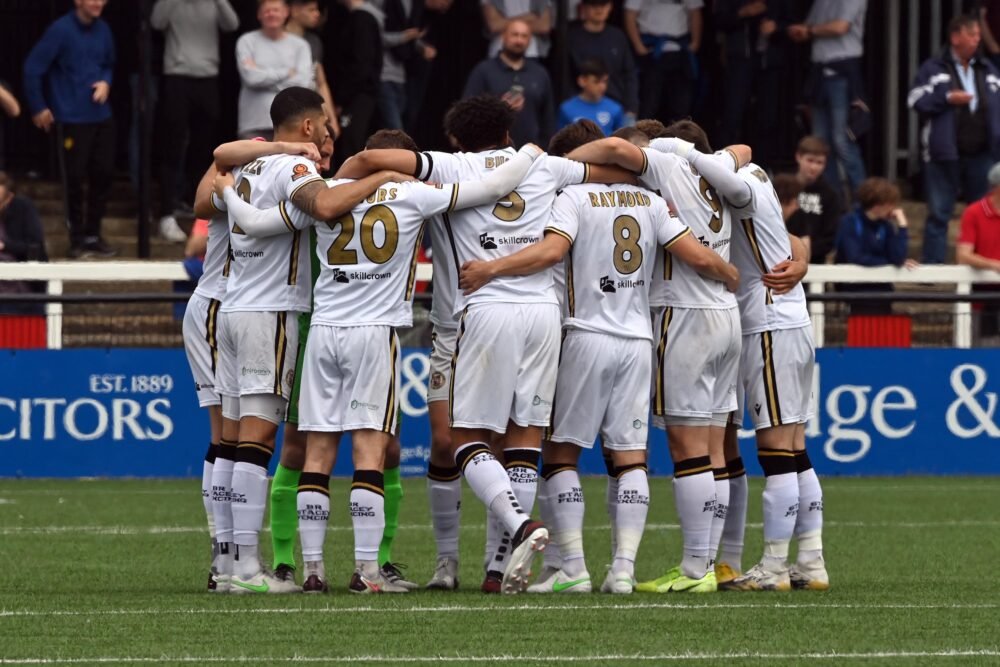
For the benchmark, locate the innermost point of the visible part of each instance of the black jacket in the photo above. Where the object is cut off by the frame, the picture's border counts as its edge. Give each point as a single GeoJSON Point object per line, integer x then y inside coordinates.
{"type": "Point", "coordinates": [21, 232]}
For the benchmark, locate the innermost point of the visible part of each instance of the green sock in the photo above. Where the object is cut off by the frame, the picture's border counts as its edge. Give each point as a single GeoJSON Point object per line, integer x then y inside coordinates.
{"type": "Point", "coordinates": [393, 496]}
{"type": "Point", "coordinates": [284, 514]}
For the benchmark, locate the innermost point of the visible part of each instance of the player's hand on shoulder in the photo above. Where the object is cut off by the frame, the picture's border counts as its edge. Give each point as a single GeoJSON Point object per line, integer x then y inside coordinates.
{"type": "Point", "coordinates": [398, 177]}
{"type": "Point", "coordinates": [223, 179]}
{"type": "Point", "coordinates": [306, 149]}
{"type": "Point", "coordinates": [474, 275]}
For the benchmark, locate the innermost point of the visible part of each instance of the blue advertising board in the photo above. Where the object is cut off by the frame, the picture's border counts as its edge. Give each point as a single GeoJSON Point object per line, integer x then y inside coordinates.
{"type": "Point", "coordinates": [132, 412]}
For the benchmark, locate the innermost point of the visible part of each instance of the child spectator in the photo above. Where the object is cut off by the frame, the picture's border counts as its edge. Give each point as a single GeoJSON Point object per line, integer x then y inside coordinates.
{"type": "Point", "coordinates": [820, 206]}
{"type": "Point", "coordinates": [979, 247]}
{"type": "Point", "coordinates": [22, 239]}
{"type": "Point", "coordinates": [788, 188]}
{"type": "Point", "coordinates": [591, 103]}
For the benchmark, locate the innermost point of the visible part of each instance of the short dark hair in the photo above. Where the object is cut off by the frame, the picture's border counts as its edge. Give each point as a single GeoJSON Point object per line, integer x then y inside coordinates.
{"type": "Point", "coordinates": [302, 3]}
{"type": "Point", "coordinates": [961, 22]}
{"type": "Point", "coordinates": [573, 136]}
{"type": "Point", "coordinates": [480, 122]}
{"type": "Point", "coordinates": [688, 130]}
{"type": "Point", "coordinates": [875, 191]}
{"type": "Point", "coordinates": [592, 67]}
{"type": "Point", "coordinates": [596, 2]}
{"type": "Point", "coordinates": [391, 139]}
{"type": "Point", "coordinates": [787, 187]}
{"type": "Point", "coordinates": [293, 103]}
{"type": "Point", "coordinates": [812, 145]}
{"type": "Point", "coordinates": [633, 135]}
{"type": "Point", "coordinates": [652, 128]}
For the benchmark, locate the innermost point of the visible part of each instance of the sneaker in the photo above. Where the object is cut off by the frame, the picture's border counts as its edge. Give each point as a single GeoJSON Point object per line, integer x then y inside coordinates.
{"type": "Point", "coordinates": [547, 573]}
{"type": "Point", "coordinates": [365, 584]}
{"type": "Point", "coordinates": [445, 575]}
{"type": "Point", "coordinates": [96, 247]}
{"type": "Point", "coordinates": [618, 583]}
{"type": "Point", "coordinates": [313, 584]}
{"type": "Point", "coordinates": [262, 582]}
{"type": "Point", "coordinates": [724, 574]}
{"type": "Point", "coordinates": [685, 584]}
{"type": "Point", "coordinates": [492, 582]}
{"type": "Point", "coordinates": [217, 583]}
{"type": "Point", "coordinates": [530, 538]}
{"type": "Point", "coordinates": [661, 584]}
{"type": "Point", "coordinates": [560, 582]}
{"type": "Point", "coordinates": [285, 572]}
{"type": "Point", "coordinates": [393, 572]}
{"type": "Point", "coordinates": [762, 577]}
{"type": "Point", "coordinates": [78, 251]}
{"type": "Point", "coordinates": [809, 576]}
{"type": "Point", "coordinates": [171, 231]}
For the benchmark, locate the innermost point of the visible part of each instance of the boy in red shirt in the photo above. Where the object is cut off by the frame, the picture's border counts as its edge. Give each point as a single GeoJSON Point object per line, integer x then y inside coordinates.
{"type": "Point", "coordinates": [979, 247]}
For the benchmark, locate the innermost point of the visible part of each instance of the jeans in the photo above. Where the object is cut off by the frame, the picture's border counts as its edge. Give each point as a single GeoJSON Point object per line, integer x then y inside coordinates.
{"type": "Point", "coordinates": [752, 91]}
{"type": "Point", "coordinates": [943, 181]}
{"type": "Point", "coordinates": [830, 111]}
{"type": "Point", "coordinates": [392, 104]}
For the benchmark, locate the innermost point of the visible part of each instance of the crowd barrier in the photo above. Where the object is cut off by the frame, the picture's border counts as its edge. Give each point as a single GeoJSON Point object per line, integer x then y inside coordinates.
{"type": "Point", "coordinates": [132, 412]}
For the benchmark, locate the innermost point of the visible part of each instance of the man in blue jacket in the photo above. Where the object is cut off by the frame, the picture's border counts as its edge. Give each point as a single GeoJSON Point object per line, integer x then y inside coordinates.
{"type": "Point", "coordinates": [67, 81]}
{"type": "Point", "coordinates": [957, 94]}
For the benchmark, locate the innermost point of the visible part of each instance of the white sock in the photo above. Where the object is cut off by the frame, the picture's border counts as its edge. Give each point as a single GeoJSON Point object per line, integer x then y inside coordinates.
{"type": "Point", "coordinates": [781, 500]}
{"type": "Point", "coordinates": [249, 498]}
{"type": "Point", "coordinates": [551, 558]}
{"type": "Point", "coordinates": [493, 535]}
{"type": "Point", "coordinates": [611, 505]}
{"type": "Point", "coordinates": [444, 489]}
{"type": "Point", "coordinates": [522, 469]}
{"type": "Point", "coordinates": [222, 485]}
{"type": "Point", "coordinates": [721, 509]}
{"type": "Point", "coordinates": [489, 481]}
{"type": "Point", "coordinates": [313, 505]}
{"type": "Point", "coordinates": [809, 522]}
{"type": "Point", "coordinates": [694, 496]}
{"type": "Point", "coordinates": [367, 514]}
{"type": "Point", "coordinates": [566, 498]}
{"type": "Point", "coordinates": [731, 545]}
{"type": "Point", "coordinates": [632, 502]}
{"type": "Point", "coordinates": [206, 487]}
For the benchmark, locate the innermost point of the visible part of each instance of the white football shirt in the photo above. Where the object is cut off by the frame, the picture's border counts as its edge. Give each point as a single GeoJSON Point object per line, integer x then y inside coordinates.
{"type": "Point", "coordinates": [212, 284]}
{"type": "Point", "coordinates": [615, 231]}
{"type": "Point", "coordinates": [514, 222]}
{"type": "Point", "coordinates": [697, 205]}
{"type": "Point", "coordinates": [760, 241]}
{"type": "Point", "coordinates": [273, 273]}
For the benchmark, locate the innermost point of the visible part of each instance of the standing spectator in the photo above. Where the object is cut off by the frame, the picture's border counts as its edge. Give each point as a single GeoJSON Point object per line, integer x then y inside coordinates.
{"type": "Point", "coordinates": [592, 38]}
{"type": "Point", "coordinates": [757, 53]}
{"type": "Point", "coordinates": [190, 111]}
{"type": "Point", "coordinates": [820, 207]}
{"type": "Point", "coordinates": [522, 83]}
{"type": "Point", "coordinates": [418, 70]}
{"type": "Point", "coordinates": [22, 239]}
{"type": "Point", "coordinates": [666, 37]}
{"type": "Point", "coordinates": [989, 24]}
{"type": "Point", "coordinates": [359, 58]}
{"type": "Point", "coordinates": [536, 14]}
{"type": "Point", "coordinates": [269, 60]}
{"type": "Point", "coordinates": [403, 41]}
{"type": "Point", "coordinates": [591, 104]}
{"type": "Point", "coordinates": [67, 81]}
{"type": "Point", "coordinates": [10, 107]}
{"type": "Point", "coordinates": [979, 247]}
{"type": "Point", "coordinates": [303, 20]}
{"type": "Point", "coordinates": [960, 115]}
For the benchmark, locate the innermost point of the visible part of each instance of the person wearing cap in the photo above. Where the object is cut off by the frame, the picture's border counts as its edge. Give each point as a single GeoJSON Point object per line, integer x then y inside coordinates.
{"type": "Point", "coordinates": [979, 247]}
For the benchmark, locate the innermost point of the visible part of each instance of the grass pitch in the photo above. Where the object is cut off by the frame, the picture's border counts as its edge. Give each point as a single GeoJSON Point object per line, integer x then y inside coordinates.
{"type": "Point", "coordinates": [114, 572]}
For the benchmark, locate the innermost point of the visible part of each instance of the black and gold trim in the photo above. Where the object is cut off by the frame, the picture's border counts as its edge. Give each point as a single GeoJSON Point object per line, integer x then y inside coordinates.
{"type": "Point", "coordinates": [668, 265]}
{"type": "Point", "coordinates": [280, 351]}
{"type": "Point", "coordinates": [293, 258]}
{"type": "Point", "coordinates": [521, 458]}
{"type": "Point", "coordinates": [212, 331]}
{"type": "Point", "coordinates": [318, 179]}
{"type": "Point", "coordinates": [735, 467]}
{"type": "Point", "coordinates": [645, 162]}
{"type": "Point", "coordinates": [776, 461]}
{"type": "Point", "coordinates": [469, 452]}
{"type": "Point", "coordinates": [368, 480]}
{"type": "Point", "coordinates": [229, 260]}
{"type": "Point", "coordinates": [411, 280]}
{"type": "Point", "coordinates": [389, 420]}
{"type": "Point", "coordinates": [560, 232]}
{"type": "Point", "coordinates": [285, 217]}
{"type": "Point", "coordinates": [736, 159]}
{"type": "Point", "coordinates": [693, 466]}
{"type": "Point", "coordinates": [770, 379]}
{"type": "Point", "coordinates": [758, 257]}
{"type": "Point", "coordinates": [666, 246]}
{"type": "Point", "coordinates": [454, 364]}
{"type": "Point", "coordinates": [802, 462]}
{"type": "Point", "coordinates": [659, 402]}
{"type": "Point", "coordinates": [440, 474]}
{"type": "Point", "coordinates": [570, 287]}
{"type": "Point", "coordinates": [255, 453]}
{"type": "Point", "coordinates": [454, 197]}
{"type": "Point", "coordinates": [550, 470]}
{"type": "Point", "coordinates": [720, 474]}
{"type": "Point", "coordinates": [629, 468]}
{"type": "Point", "coordinates": [315, 481]}
{"type": "Point", "coordinates": [227, 450]}
{"type": "Point", "coordinates": [586, 173]}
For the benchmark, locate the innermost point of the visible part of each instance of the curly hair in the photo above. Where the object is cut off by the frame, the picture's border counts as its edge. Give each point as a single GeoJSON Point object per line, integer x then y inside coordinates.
{"type": "Point", "coordinates": [573, 136]}
{"type": "Point", "coordinates": [391, 139]}
{"type": "Point", "coordinates": [875, 191]}
{"type": "Point", "coordinates": [479, 123]}
{"type": "Point", "coordinates": [652, 128]}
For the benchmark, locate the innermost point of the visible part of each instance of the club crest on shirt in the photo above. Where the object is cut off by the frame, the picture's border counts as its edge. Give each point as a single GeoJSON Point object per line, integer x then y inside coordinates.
{"type": "Point", "coordinates": [299, 170]}
{"type": "Point", "coordinates": [437, 380]}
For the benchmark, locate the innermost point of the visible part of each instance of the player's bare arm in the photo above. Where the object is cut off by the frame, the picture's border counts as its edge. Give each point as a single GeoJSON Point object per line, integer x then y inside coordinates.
{"type": "Point", "coordinates": [369, 162]}
{"type": "Point", "coordinates": [532, 259]}
{"type": "Point", "coordinates": [318, 201]}
{"type": "Point", "coordinates": [789, 273]}
{"type": "Point", "coordinates": [239, 152]}
{"type": "Point", "coordinates": [611, 151]}
{"type": "Point", "coordinates": [203, 207]}
{"type": "Point", "coordinates": [704, 260]}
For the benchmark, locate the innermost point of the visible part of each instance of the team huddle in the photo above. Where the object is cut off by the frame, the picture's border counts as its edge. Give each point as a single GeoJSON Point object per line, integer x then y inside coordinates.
{"type": "Point", "coordinates": [575, 293]}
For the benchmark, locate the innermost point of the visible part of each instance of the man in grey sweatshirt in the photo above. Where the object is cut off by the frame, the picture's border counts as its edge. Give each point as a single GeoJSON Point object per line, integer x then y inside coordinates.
{"type": "Point", "coordinates": [190, 98]}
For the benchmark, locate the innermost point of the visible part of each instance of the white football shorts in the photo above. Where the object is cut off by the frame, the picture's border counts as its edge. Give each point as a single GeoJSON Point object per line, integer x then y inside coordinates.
{"type": "Point", "coordinates": [442, 350]}
{"type": "Point", "coordinates": [776, 377]}
{"type": "Point", "coordinates": [200, 332]}
{"type": "Point", "coordinates": [257, 353]}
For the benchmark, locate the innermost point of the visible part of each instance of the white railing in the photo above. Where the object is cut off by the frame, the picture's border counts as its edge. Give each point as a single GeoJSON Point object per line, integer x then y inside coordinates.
{"type": "Point", "coordinates": [56, 274]}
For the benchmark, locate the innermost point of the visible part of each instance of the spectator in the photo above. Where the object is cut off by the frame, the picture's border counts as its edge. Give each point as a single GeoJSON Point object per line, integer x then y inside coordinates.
{"type": "Point", "coordinates": [359, 74]}
{"type": "Point", "coordinates": [788, 188]}
{"type": "Point", "coordinates": [67, 81]}
{"type": "Point", "coordinates": [591, 103]}
{"type": "Point", "coordinates": [269, 60]}
{"type": "Point", "coordinates": [989, 25]}
{"type": "Point", "coordinates": [191, 108]}
{"type": "Point", "coordinates": [22, 239]}
{"type": "Point", "coordinates": [960, 115]}
{"type": "Point", "coordinates": [403, 41]}
{"type": "Point", "coordinates": [303, 20]}
{"type": "Point", "coordinates": [756, 54]}
{"type": "Point", "coordinates": [592, 38]}
{"type": "Point", "coordinates": [10, 107]}
{"type": "Point", "coordinates": [523, 84]}
{"type": "Point", "coordinates": [418, 70]}
{"type": "Point", "coordinates": [979, 247]}
{"type": "Point", "coordinates": [820, 207]}
{"type": "Point", "coordinates": [837, 30]}
{"type": "Point", "coordinates": [666, 37]}
{"type": "Point", "coordinates": [536, 14]}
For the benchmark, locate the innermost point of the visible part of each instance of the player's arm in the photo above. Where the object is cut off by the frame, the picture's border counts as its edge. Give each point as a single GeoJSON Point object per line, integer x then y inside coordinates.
{"type": "Point", "coordinates": [536, 257]}
{"type": "Point", "coordinates": [719, 169]}
{"type": "Point", "coordinates": [790, 272]}
{"type": "Point", "coordinates": [497, 183]}
{"type": "Point", "coordinates": [391, 159]}
{"type": "Point", "coordinates": [239, 152]}
{"type": "Point", "coordinates": [320, 202]}
{"type": "Point", "coordinates": [704, 260]}
{"type": "Point", "coordinates": [9, 103]}
{"type": "Point", "coordinates": [204, 205]}
{"type": "Point", "coordinates": [254, 221]}
{"type": "Point", "coordinates": [611, 151]}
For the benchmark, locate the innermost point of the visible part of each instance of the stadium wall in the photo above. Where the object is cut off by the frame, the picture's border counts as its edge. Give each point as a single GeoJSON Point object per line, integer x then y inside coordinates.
{"type": "Point", "coordinates": [133, 413]}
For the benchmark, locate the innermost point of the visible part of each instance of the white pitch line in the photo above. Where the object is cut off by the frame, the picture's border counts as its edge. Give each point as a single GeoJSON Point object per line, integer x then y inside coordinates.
{"type": "Point", "coordinates": [603, 658]}
{"type": "Point", "coordinates": [451, 609]}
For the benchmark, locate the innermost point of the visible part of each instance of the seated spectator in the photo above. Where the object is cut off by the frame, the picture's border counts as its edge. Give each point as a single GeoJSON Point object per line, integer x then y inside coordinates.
{"type": "Point", "coordinates": [979, 247]}
{"type": "Point", "coordinates": [536, 14]}
{"type": "Point", "coordinates": [788, 188]}
{"type": "Point", "coordinates": [22, 239]}
{"type": "Point", "coordinates": [10, 107]}
{"type": "Point", "coordinates": [592, 38]}
{"type": "Point", "coordinates": [820, 207]}
{"type": "Point", "coordinates": [592, 103]}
